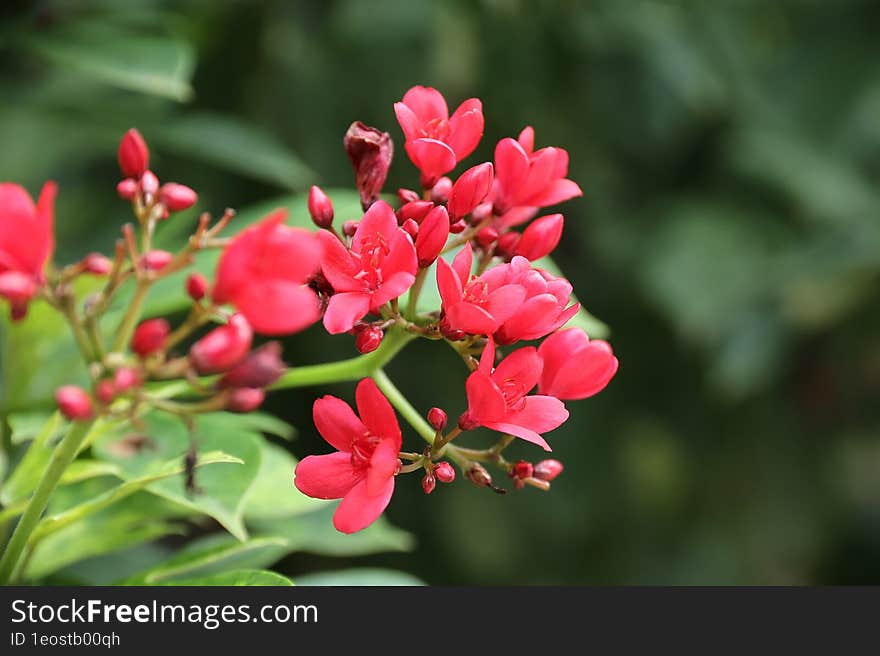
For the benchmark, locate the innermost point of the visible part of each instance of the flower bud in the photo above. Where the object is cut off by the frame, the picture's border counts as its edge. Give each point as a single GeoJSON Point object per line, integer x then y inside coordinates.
{"type": "Point", "coordinates": [440, 190]}
{"type": "Point", "coordinates": [150, 337]}
{"type": "Point", "coordinates": [156, 260]}
{"type": "Point", "coordinates": [177, 197]}
{"type": "Point", "coordinates": [105, 391]}
{"type": "Point", "coordinates": [522, 470]}
{"type": "Point", "coordinates": [481, 212]}
{"type": "Point", "coordinates": [487, 236]}
{"type": "Point", "coordinates": [133, 154]}
{"type": "Point", "coordinates": [478, 475]}
{"type": "Point", "coordinates": [466, 422]}
{"type": "Point", "coordinates": [349, 228]}
{"type": "Point", "coordinates": [429, 483]}
{"type": "Point", "coordinates": [222, 348]}
{"type": "Point", "coordinates": [411, 228]}
{"type": "Point", "coordinates": [444, 472]}
{"type": "Point", "coordinates": [469, 190]}
{"type": "Point", "coordinates": [506, 245]}
{"type": "Point", "coordinates": [259, 369]}
{"type": "Point", "coordinates": [74, 402]}
{"type": "Point", "coordinates": [320, 207]}
{"type": "Point", "coordinates": [149, 183]}
{"type": "Point", "coordinates": [196, 286]}
{"type": "Point", "coordinates": [432, 236]}
{"type": "Point", "coordinates": [547, 470]}
{"type": "Point", "coordinates": [368, 339]}
{"type": "Point", "coordinates": [127, 189]}
{"type": "Point", "coordinates": [541, 237]}
{"type": "Point", "coordinates": [407, 195]}
{"type": "Point", "coordinates": [370, 151]}
{"type": "Point", "coordinates": [245, 399]}
{"type": "Point", "coordinates": [97, 264]}
{"type": "Point", "coordinates": [126, 378]}
{"type": "Point", "coordinates": [437, 418]}
{"type": "Point", "coordinates": [416, 210]}
{"type": "Point", "coordinates": [458, 227]}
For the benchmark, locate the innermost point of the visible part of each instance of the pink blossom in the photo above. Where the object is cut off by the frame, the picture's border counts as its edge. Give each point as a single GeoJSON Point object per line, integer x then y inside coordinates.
{"type": "Point", "coordinates": [575, 367]}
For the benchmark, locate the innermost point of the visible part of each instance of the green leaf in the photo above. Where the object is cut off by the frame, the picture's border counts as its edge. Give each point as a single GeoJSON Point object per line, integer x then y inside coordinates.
{"type": "Point", "coordinates": [80, 470]}
{"type": "Point", "coordinates": [237, 577]}
{"type": "Point", "coordinates": [236, 145]}
{"type": "Point", "coordinates": [212, 555]}
{"type": "Point", "coordinates": [273, 494]}
{"type": "Point", "coordinates": [360, 576]}
{"type": "Point", "coordinates": [27, 474]}
{"type": "Point", "coordinates": [119, 56]}
{"type": "Point", "coordinates": [222, 487]}
{"type": "Point", "coordinates": [314, 533]}
{"type": "Point", "coordinates": [27, 425]}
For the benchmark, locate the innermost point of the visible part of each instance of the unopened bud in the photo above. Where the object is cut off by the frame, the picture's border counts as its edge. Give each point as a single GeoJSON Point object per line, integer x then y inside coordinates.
{"type": "Point", "coordinates": [444, 472]}
{"type": "Point", "coordinates": [177, 197]}
{"type": "Point", "coordinates": [97, 264]}
{"type": "Point", "coordinates": [74, 402]}
{"type": "Point", "coordinates": [522, 469]}
{"type": "Point", "coordinates": [458, 227]}
{"type": "Point", "coordinates": [415, 210]}
{"type": "Point", "coordinates": [429, 483]}
{"type": "Point", "coordinates": [245, 399]}
{"type": "Point", "coordinates": [411, 228]}
{"type": "Point", "coordinates": [547, 470]}
{"type": "Point", "coordinates": [481, 212]}
{"type": "Point", "coordinates": [469, 190]}
{"type": "Point", "coordinates": [105, 391]}
{"type": "Point", "coordinates": [432, 236]}
{"type": "Point", "coordinates": [196, 286]}
{"type": "Point", "coordinates": [320, 207]}
{"type": "Point", "coordinates": [133, 154]}
{"type": "Point", "coordinates": [370, 151]}
{"type": "Point", "coordinates": [349, 228]}
{"type": "Point", "coordinates": [437, 418]}
{"type": "Point", "coordinates": [150, 337]}
{"type": "Point", "coordinates": [506, 245]}
{"type": "Point", "coordinates": [440, 190]}
{"type": "Point", "coordinates": [149, 183]}
{"type": "Point", "coordinates": [156, 260]}
{"type": "Point", "coordinates": [407, 195]}
{"type": "Point", "coordinates": [127, 189]}
{"type": "Point", "coordinates": [126, 378]}
{"type": "Point", "coordinates": [369, 339]}
{"type": "Point", "coordinates": [466, 422]}
{"type": "Point", "coordinates": [259, 369]}
{"type": "Point", "coordinates": [487, 236]}
{"type": "Point", "coordinates": [478, 475]}
{"type": "Point", "coordinates": [222, 348]}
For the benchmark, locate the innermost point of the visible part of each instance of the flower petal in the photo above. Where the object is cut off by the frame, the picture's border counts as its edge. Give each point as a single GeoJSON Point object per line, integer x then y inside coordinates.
{"type": "Point", "coordinates": [336, 422]}
{"type": "Point", "coordinates": [377, 413]}
{"type": "Point", "coordinates": [343, 311]}
{"type": "Point", "coordinates": [359, 508]}
{"type": "Point", "coordinates": [485, 400]}
{"type": "Point", "coordinates": [466, 128]}
{"type": "Point", "coordinates": [326, 477]}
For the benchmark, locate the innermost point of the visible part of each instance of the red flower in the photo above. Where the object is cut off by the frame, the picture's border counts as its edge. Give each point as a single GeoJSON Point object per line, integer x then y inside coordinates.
{"type": "Point", "coordinates": [133, 154]}
{"type": "Point", "coordinates": [540, 238]}
{"type": "Point", "coordinates": [543, 308]}
{"type": "Point", "coordinates": [434, 141]}
{"type": "Point", "coordinates": [381, 265]}
{"type": "Point", "coordinates": [474, 304]}
{"type": "Point", "coordinates": [264, 273]}
{"type": "Point", "coordinates": [361, 472]}
{"type": "Point", "coordinates": [526, 180]}
{"type": "Point", "coordinates": [497, 397]}
{"type": "Point", "coordinates": [575, 367]}
{"type": "Point", "coordinates": [222, 348]}
{"type": "Point", "coordinates": [469, 190]}
{"type": "Point", "coordinates": [26, 242]}
{"type": "Point", "coordinates": [432, 236]}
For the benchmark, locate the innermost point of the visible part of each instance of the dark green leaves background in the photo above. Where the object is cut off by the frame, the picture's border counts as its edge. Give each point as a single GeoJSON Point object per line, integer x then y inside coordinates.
{"type": "Point", "coordinates": [729, 235]}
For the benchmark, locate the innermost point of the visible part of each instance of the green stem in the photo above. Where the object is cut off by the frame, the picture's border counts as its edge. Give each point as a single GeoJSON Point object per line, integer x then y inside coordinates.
{"type": "Point", "coordinates": [414, 293]}
{"type": "Point", "coordinates": [63, 455]}
{"type": "Point", "coordinates": [132, 314]}
{"type": "Point", "coordinates": [404, 407]}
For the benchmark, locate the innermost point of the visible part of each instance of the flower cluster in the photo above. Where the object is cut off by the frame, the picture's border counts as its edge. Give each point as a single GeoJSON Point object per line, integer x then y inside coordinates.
{"type": "Point", "coordinates": [476, 238]}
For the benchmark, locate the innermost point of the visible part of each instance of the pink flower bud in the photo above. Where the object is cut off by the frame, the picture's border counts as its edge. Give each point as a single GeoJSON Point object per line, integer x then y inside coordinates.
{"type": "Point", "coordinates": [416, 210]}
{"type": "Point", "coordinates": [541, 237]}
{"type": "Point", "coordinates": [245, 399]}
{"type": "Point", "coordinates": [547, 470]}
{"type": "Point", "coordinates": [127, 189]}
{"type": "Point", "coordinates": [196, 286]}
{"type": "Point", "coordinates": [149, 183]}
{"type": "Point", "coordinates": [487, 236]}
{"type": "Point", "coordinates": [74, 402]}
{"type": "Point", "coordinates": [222, 348]}
{"type": "Point", "coordinates": [429, 483]}
{"type": "Point", "coordinates": [105, 391]}
{"type": "Point", "coordinates": [149, 337]}
{"type": "Point", "coordinates": [506, 245]}
{"type": "Point", "coordinates": [469, 190]}
{"type": "Point", "coordinates": [440, 190]}
{"type": "Point", "coordinates": [411, 228]}
{"type": "Point", "coordinates": [467, 422]}
{"type": "Point", "coordinates": [458, 227]}
{"type": "Point", "coordinates": [478, 475]}
{"type": "Point", "coordinates": [432, 236]}
{"type": "Point", "coordinates": [349, 228]}
{"type": "Point", "coordinates": [370, 151]}
{"type": "Point", "coordinates": [481, 212]}
{"type": "Point", "coordinates": [126, 378]}
{"type": "Point", "coordinates": [259, 369]}
{"type": "Point", "coordinates": [522, 470]}
{"type": "Point", "coordinates": [133, 154]}
{"type": "Point", "coordinates": [177, 197]}
{"type": "Point", "coordinates": [320, 207]}
{"type": "Point", "coordinates": [156, 260]}
{"type": "Point", "coordinates": [97, 264]}
{"type": "Point", "coordinates": [444, 472]}
{"type": "Point", "coordinates": [368, 339]}
{"type": "Point", "coordinates": [437, 418]}
{"type": "Point", "coordinates": [407, 195]}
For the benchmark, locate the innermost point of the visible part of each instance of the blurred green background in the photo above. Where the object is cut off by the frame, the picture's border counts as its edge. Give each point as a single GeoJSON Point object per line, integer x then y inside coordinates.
{"type": "Point", "coordinates": [729, 234]}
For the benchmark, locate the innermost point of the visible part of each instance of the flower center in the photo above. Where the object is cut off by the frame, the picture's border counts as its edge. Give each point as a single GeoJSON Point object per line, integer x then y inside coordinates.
{"type": "Point", "coordinates": [476, 291]}
{"type": "Point", "coordinates": [373, 251]}
{"type": "Point", "coordinates": [362, 449]}
{"type": "Point", "coordinates": [436, 128]}
{"type": "Point", "coordinates": [514, 393]}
